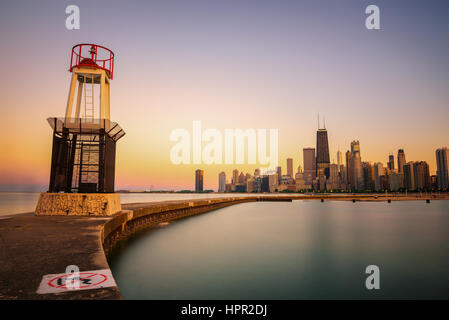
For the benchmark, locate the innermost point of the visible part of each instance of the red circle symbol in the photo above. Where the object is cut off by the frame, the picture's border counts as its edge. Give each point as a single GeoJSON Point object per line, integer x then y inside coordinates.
{"type": "Point", "coordinates": [86, 280]}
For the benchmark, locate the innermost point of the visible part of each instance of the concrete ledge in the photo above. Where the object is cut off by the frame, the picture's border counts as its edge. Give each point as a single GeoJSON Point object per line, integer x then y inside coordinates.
{"type": "Point", "coordinates": [79, 204]}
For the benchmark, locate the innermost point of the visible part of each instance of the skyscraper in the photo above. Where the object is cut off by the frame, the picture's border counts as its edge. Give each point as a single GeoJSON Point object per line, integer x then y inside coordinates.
{"type": "Point", "coordinates": [421, 175]}
{"type": "Point", "coordinates": [391, 162]}
{"type": "Point", "coordinates": [235, 177]}
{"type": "Point", "coordinates": [368, 176]}
{"type": "Point", "coordinates": [348, 169]}
{"type": "Point", "coordinates": [199, 180]}
{"type": "Point", "coordinates": [401, 160]}
{"type": "Point", "coordinates": [309, 165]}
{"type": "Point", "coordinates": [242, 178]}
{"type": "Point", "coordinates": [379, 171]}
{"type": "Point", "coordinates": [356, 174]}
{"type": "Point", "coordinates": [339, 158]}
{"type": "Point", "coordinates": [222, 182]}
{"type": "Point", "coordinates": [409, 177]}
{"type": "Point", "coordinates": [290, 167]}
{"type": "Point", "coordinates": [322, 151]}
{"type": "Point", "coordinates": [279, 173]}
{"type": "Point", "coordinates": [442, 168]}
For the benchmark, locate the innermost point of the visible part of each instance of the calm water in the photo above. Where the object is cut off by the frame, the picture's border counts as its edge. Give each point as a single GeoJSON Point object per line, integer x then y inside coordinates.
{"type": "Point", "coordinates": [20, 202]}
{"type": "Point", "coordinates": [298, 250]}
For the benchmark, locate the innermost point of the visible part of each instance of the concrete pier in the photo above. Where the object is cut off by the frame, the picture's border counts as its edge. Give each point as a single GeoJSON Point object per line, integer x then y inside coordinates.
{"type": "Point", "coordinates": [34, 246]}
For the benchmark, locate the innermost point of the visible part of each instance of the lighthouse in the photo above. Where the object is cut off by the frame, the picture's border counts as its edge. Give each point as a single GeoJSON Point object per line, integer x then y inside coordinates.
{"type": "Point", "coordinates": [84, 141]}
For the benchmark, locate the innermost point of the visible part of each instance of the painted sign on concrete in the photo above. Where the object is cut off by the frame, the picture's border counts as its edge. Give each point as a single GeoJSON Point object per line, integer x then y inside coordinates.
{"type": "Point", "coordinates": [66, 282]}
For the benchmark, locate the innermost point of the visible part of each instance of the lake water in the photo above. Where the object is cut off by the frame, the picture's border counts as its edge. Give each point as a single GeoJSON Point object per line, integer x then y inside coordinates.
{"type": "Point", "coordinates": [297, 250]}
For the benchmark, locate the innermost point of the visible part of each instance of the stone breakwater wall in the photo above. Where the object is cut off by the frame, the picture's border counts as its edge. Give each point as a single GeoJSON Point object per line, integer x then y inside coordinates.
{"type": "Point", "coordinates": [80, 204]}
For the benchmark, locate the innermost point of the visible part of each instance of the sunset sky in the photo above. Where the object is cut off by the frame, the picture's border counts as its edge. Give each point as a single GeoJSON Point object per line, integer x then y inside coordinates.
{"type": "Point", "coordinates": [230, 64]}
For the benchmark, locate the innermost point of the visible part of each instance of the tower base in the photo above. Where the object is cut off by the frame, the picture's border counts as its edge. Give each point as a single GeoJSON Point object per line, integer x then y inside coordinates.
{"type": "Point", "coordinates": [78, 204]}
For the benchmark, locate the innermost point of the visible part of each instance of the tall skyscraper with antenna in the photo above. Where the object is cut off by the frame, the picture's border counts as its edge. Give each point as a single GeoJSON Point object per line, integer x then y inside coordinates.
{"type": "Point", "coordinates": [322, 150]}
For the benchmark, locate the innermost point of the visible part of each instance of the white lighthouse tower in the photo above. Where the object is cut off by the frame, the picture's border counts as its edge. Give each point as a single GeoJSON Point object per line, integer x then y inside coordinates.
{"type": "Point", "coordinates": [84, 141]}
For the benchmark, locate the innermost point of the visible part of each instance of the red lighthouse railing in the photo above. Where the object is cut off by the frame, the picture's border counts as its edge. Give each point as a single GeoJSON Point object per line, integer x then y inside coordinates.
{"type": "Point", "coordinates": [92, 55]}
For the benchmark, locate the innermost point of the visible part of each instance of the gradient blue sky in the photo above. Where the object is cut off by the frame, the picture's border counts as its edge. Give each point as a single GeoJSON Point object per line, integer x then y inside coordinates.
{"type": "Point", "coordinates": [247, 64]}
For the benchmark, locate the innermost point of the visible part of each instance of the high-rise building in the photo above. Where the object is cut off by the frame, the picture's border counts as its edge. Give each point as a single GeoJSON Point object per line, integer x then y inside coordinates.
{"type": "Point", "coordinates": [390, 164]}
{"type": "Point", "coordinates": [395, 181]}
{"type": "Point", "coordinates": [199, 180]}
{"type": "Point", "coordinates": [250, 185]}
{"type": "Point", "coordinates": [279, 173]}
{"type": "Point", "coordinates": [368, 176]}
{"type": "Point", "coordinates": [309, 165]}
{"type": "Point", "coordinates": [322, 152]}
{"type": "Point", "coordinates": [273, 182]}
{"type": "Point", "coordinates": [343, 177]}
{"type": "Point", "coordinates": [442, 168]}
{"type": "Point", "coordinates": [356, 175]}
{"type": "Point", "coordinates": [401, 160]}
{"type": "Point", "coordinates": [421, 175]}
{"type": "Point", "coordinates": [222, 182]}
{"type": "Point", "coordinates": [409, 177]}
{"type": "Point", "coordinates": [290, 167]}
{"type": "Point", "coordinates": [333, 183]}
{"type": "Point", "coordinates": [348, 169]}
{"type": "Point", "coordinates": [379, 171]}
{"type": "Point", "coordinates": [235, 177]}
{"type": "Point", "coordinates": [339, 158]}
{"type": "Point", "coordinates": [242, 179]}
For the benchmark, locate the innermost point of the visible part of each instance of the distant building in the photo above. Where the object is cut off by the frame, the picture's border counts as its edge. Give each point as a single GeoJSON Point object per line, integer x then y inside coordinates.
{"type": "Point", "coordinates": [356, 175]}
{"type": "Point", "coordinates": [409, 177]}
{"type": "Point", "coordinates": [421, 175]}
{"type": "Point", "coordinates": [442, 168]}
{"type": "Point", "coordinates": [333, 183]}
{"type": "Point", "coordinates": [348, 169]}
{"type": "Point", "coordinates": [250, 185]}
{"type": "Point", "coordinates": [290, 167]}
{"type": "Point", "coordinates": [300, 182]}
{"type": "Point", "coordinates": [395, 181]}
{"type": "Point", "coordinates": [339, 158]}
{"type": "Point", "coordinates": [242, 178]}
{"type": "Point", "coordinates": [321, 179]}
{"type": "Point", "coordinates": [309, 162]}
{"type": "Point", "coordinates": [264, 184]}
{"type": "Point", "coordinates": [401, 160]}
{"type": "Point", "coordinates": [322, 152]}
{"type": "Point", "coordinates": [222, 182]}
{"type": "Point", "coordinates": [434, 182]}
{"type": "Point", "coordinates": [378, 172]}
{"type": "Point", "coordinates": [273, 182]}
{"type": "Point", "coordinates": [343, 177]}
{"type": "Point", "coordinates": [368, 176]}
{"type": "Point", "coordinates": [235, 177]}
{"type": "Point", "coordinates": [390, 164]}
{"type": "Point", "coordinates": [199, 180]}
{"type": "Point", "coordinates": [279, 173]}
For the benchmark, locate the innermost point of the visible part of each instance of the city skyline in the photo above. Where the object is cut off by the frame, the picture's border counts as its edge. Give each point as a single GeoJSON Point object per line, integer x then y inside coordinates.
{"type": "Point", "coordinates": [232, 65]}
{"type": "Point", "coordinates": [407, 175]}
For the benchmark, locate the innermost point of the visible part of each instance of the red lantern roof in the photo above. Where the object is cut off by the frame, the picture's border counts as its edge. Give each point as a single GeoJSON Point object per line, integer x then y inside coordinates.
{"type": "Point", "coordinates": [92, 55]}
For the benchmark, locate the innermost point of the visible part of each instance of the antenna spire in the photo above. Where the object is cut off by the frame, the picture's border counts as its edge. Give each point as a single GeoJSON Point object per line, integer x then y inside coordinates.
{"type": "Point", "coordinates": [318, 120]}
